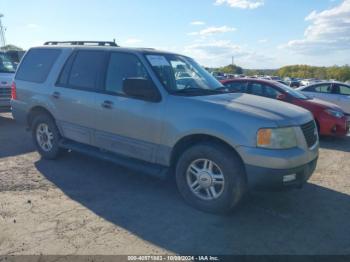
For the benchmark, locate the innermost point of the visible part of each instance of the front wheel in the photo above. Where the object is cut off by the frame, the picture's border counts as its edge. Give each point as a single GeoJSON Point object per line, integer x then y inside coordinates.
{"type": "Point", "coordinates": [211, 178]}
{"type": "Point", "coordinates": [46, 136]}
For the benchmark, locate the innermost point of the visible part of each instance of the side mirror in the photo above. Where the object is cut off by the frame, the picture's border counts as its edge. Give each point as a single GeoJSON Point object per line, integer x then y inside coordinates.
{"type": "Point", "coordinates": [281, 97]}
{"type": "Point", "coordinates": [141, 88]}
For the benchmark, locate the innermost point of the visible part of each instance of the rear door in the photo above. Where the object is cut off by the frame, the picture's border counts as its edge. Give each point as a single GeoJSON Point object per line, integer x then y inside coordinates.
{"type": "Point", "coordinates": [125, 125]}
{"type": "Point", "coordinates": [75, 93]}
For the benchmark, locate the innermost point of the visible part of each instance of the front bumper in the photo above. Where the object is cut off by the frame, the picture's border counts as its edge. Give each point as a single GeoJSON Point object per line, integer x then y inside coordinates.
{"type": "Point", "coordinates": [331, 126]}
{"type": "Point", "coordinates": [268, 178]}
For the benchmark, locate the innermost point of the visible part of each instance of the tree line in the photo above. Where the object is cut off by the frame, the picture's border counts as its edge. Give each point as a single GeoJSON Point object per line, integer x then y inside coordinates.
{"type": "Point", "coordinates": [340, 73]}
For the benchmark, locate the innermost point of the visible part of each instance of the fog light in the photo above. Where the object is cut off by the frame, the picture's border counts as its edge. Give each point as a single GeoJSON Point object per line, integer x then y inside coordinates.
{"type": "Point", "coordinates": [289, 178]}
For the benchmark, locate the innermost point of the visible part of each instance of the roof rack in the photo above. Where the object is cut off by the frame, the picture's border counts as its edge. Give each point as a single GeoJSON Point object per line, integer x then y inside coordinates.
{"type": "Point", "coordinates": [88, 43]}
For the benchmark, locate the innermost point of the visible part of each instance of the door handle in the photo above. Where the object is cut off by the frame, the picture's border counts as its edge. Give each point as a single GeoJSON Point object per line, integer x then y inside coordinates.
{"type": "Point", "coordinates": [56, 95]}
{"type": "Point", "coordinates": [107, 104]}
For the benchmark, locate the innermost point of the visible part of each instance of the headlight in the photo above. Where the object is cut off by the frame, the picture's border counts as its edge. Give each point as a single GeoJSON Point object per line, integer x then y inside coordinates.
{"type": "Point", "coordinates": [277, 138]}
{"type": "Point", "coordinates": [335, 113]}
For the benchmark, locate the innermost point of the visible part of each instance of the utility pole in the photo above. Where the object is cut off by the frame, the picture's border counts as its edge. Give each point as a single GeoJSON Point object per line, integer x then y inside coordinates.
{"type": "Point", "coordinates": [2, 33]}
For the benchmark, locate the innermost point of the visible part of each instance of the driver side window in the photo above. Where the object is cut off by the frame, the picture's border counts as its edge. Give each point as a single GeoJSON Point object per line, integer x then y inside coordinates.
{"type": "Point", "coordinates": [120, 67]}
{"type": "Point", "coordinates": [324, 88]}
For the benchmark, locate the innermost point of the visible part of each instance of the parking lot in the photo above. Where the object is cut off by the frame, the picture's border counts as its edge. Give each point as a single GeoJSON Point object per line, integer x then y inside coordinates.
{"type": "Point", "coordinates": [80, 205]}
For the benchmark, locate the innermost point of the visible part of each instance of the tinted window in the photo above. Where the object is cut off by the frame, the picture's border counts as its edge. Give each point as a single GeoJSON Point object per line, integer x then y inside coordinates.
{"type": "Point", "coordinates": [263, 90]}
{"type": "Point", "coordinates": [37, 64]}
{"type": "Point", "coordinates": [271, 92]}
{"type": "Point", "coordinates": [122, 66]}
{"type": "Point", "coordinates": [86, 70]}
{"type": "Point", "coordinates": [256, 89]}
{"type": "Point", "coordinates": [63, 78]}
{"type": "Point", "coordinates": [237, 86]}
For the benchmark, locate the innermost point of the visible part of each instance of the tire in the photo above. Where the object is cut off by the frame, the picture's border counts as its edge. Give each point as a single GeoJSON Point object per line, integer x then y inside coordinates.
{"type": "Point", "coordinates": [228, 194]}
{"type": "Point", "coordinates": [39, 123]}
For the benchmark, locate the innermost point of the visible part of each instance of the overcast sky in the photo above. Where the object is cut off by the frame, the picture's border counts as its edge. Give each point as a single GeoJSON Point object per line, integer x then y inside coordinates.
{"type": "Point", "coordinates": [258, 33]}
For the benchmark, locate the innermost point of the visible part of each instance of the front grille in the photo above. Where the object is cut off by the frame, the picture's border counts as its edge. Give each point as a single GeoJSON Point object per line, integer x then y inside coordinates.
{"type": "Point", "coordinates": [5, 92]}
{"type": "Point", "coordinates": [309, 130]}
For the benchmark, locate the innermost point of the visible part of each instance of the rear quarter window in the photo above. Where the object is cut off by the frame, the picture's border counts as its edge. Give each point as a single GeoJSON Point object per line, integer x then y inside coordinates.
{"type": "Point", "coordinates": [37, 65]}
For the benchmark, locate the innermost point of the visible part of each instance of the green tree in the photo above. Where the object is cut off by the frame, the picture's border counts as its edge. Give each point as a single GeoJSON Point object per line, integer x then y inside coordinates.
{"type": "Point", "coordinates": [340, 73]}
{"type": "Point", "coordinates": [231, 69]}
{"type": "Point", "coordinates": [11, 47]}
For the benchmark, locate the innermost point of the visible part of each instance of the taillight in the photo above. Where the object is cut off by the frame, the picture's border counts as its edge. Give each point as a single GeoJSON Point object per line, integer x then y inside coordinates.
{"type": "Point", "coordinates": [13, 91]}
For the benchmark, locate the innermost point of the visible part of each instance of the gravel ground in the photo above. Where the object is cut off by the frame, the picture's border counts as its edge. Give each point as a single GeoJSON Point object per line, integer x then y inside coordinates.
{"type": "Point", "coordinates": [80, 205]}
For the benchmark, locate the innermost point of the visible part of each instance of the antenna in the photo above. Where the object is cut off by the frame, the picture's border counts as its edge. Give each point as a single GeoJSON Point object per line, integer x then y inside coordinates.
{"type": "Point", "coordinates": [2, 33]}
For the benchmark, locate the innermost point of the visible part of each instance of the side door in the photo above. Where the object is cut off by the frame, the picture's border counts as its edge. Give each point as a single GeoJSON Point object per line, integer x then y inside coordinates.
{"type": "Point", "coordinates": [342, 93]}
{"type": "Point", "coordinates": [74, 94]}
{"type": "Point", "coordinates": [320, 91]}
{"type": "Point", "coordinates": [124, 125]}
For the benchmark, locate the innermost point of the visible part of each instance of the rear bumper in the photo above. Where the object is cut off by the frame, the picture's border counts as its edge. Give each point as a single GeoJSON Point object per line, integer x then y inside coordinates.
{"type": "Point", "coordinates": [5, 105]}
{"type": "Point", "coordinates": [19, 112]}
{"type": "Point", "coordinates": [267, 178]}
{"type": "Point", "coordinates": [5, 109]}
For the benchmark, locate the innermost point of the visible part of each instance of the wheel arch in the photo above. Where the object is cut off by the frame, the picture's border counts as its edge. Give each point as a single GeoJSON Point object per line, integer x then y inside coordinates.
{"type": "Point", "coordinates": [190, 140]}
{"type": "Point", "coordinates": [35, 111]}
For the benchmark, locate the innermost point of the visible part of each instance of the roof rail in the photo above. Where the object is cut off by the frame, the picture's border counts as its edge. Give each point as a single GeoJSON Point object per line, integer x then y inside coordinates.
{"type": "Point", "coordinates": [88, 43]}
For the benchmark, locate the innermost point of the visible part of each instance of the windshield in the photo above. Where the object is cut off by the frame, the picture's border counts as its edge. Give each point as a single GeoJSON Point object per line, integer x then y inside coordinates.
{"type": "Point", "coordinates": [294, 93]}
{"type": "Point", "coordinates": [6, 66]}
{"type": "Point", "coordinates": [182, 75]}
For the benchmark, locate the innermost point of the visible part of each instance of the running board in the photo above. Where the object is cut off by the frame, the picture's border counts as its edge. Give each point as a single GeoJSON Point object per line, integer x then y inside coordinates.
{"type": "Point", "coordinates": [127, 162]}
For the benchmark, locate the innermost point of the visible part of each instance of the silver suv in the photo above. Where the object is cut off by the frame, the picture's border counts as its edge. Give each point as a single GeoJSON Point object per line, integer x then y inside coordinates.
{"type": "Point", "coordinates": [161, 114]}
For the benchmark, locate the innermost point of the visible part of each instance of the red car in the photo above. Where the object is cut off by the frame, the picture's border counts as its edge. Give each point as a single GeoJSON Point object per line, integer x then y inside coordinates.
{"type": "Point", "coordinates": [330, 119]}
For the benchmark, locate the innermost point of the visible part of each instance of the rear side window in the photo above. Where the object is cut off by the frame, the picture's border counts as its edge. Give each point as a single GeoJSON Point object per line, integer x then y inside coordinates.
{"type": "Point", "coordinates": [37, 65]}
{"type": "Point", "coordinates": [86, 71]}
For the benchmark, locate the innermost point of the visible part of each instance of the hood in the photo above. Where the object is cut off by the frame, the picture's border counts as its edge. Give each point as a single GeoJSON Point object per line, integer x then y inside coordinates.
{"type": "Point", "coordinates": [324, 104]}
{"type": "Point", "coordinates": [281, 113]}
{"type": "Point", "coordinates": [6, 79]}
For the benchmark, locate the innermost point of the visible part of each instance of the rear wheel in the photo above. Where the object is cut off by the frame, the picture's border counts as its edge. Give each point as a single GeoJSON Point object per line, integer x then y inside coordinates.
{"type": "Point", "coordinates": [211, 178]}
{"type": "Point", "coordinates": [46, 136]}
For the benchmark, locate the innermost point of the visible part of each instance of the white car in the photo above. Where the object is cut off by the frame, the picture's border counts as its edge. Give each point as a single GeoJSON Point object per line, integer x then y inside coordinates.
{"type": "Point", "coordinates": [334, 92]}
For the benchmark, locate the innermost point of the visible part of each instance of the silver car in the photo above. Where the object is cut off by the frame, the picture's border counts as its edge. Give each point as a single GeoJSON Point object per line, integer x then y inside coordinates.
{"type": "Point", "coordinates": [128, 106]}
{"type": "Point", "coordinates": [335, 92]}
